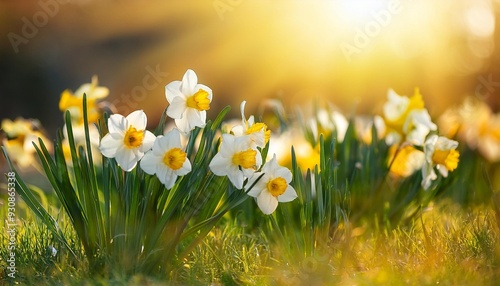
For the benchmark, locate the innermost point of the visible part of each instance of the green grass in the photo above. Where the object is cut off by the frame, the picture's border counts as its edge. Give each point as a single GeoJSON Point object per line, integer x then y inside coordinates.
{"type": "Point", "coordinates": [449, 245]}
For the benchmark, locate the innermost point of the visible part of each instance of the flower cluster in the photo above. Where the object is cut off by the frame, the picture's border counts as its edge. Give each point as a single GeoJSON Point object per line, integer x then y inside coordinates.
{"type": "Point", "coordinates": [415, 146]}
{"type": "Point", "coordinates": [474, 123]}
{"type": "Point", "coordinates": [239, 157]}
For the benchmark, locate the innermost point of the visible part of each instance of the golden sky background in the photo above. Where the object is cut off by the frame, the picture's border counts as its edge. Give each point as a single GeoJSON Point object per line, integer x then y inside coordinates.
{"type": "Point", "coordinates": [344, 51]}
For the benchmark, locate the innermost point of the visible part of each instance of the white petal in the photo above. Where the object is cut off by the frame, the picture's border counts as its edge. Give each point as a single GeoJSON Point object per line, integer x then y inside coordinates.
{"type": "Point", "coordinates": [109, 146]}
{"type": "Point", "coordinates": [173, 90]}
{"type": "Point", "coordinates": [288, 196]}
{"type": "Point", "coordinates": [157, 147]}
{"type": "Point", "coordinates": [171, 140]}
{"type": "Point", "coordinates": [137, 119]}
{"type": "Point", "coordinates": [169, 179]}
{"type": "Point", "coordinates": [442, 169]}
{"type": "Point", "coordinates": [117, 124]}
{"type": "Point", "coordinates": [238, 130]}
{"type": "Point", "coordinates": [227, 147]}
{"type": "Point", "coordinates": [148, 141]}
{"type": "Point", "coordinates": [284, 173]}
{"type": "Point", "coordinates": [149, 163]}
{"type": "Point", "coordinates": [166, 176]}
{"type": "Point", "coordinates": [444, 143]}
{"type": "Point", "coordinates": [236, 177]}
{"type": "Point", "coordinates": [177, 107]}
{"type": "Point", "coordinates": [183, 124]}
{"type": "Point", "coordinates": [219, 165]}
{"type": "Point", "coordinates": [189, 81]}
{"type": "Point", "coordinates": [428, 175]}
{"type": "Point", "coordinates": [186, 168]}
{"type": "Point", "coordinates": [126, 159]}
{"type": "Point", "coordinates": [196, 118]}
{"type": "Point", "coordinates": [242, 110]}
{"type": "Point", "coordinates": [341, 125]}
{"type": "Point", "coordinates": [259, 186]}
{"type": "Point", "coordinates": [267, 202]}
{"type": "Point", "coordinates": [395, 106]}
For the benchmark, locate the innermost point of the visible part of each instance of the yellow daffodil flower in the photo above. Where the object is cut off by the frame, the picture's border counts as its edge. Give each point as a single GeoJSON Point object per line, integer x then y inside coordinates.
{"type": "Point", "coordinates": [73, 102]}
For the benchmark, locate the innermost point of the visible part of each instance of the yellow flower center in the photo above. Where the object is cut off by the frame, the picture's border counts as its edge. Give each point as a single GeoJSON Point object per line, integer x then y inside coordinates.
{"type": "Point", "coordinates": [277, 186]}
{"type": "Point", "coordinates": [133, 138]}
{"type": "Point", "coordinates": [447, 158]}
{"type": "Point", "coordinates": [199, 100]}
{"type": "Point", "coordinates": [69, 100]}
{"type": "Point", "coordinates": [245, 159]}
{"type": "Point", "coordinates": [174, 158]}
{"type": "Point", "coordinates": [258, 127]}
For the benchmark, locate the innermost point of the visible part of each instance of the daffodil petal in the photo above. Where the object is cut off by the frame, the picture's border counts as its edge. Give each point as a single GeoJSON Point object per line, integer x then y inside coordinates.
{"type": "Point", "coordinates": [169, 179]}
{"type": "Point", "coordinates": [137, 119]}
{"type": "Point", "coordinates": [126, 159]}
{"type": "Point", "coordinates": [267, 202]}
{"type": "Point", "coordinates": [109, 146]}
{"type": "Point", "coordinates": [259, 185]}
{"type": "Point", "coordinates": [183, 124]}
{"type": "Point", "coordinates": [186, 168]}
{"type": "Point", "coordinates": [177, 107]}
{"type": "Point", "coordinates": [149, 163]}
{"type": "Point", "coordinates": [189, 81]}
{"type": "Point", "coordinates": [236, 177]}
{"type": "Point", "coordinates": [117, 124]}
{"type": "Point", "coordinates": [148, 141]}
{"type": "Point", "coordinates": [219, 165]}
{"type": "Point", "coordinates": [171, 140]}
{"type": "Point", "coordinates": [288, 196]}
{"type": "Point", "coordinates": [173, 90]}
{"type": "Point", "coordinates": [196, 118]}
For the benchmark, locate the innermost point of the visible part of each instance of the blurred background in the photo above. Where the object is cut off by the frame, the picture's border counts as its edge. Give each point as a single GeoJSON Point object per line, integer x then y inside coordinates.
{"type": "Point", "coordinates": [348, 52]}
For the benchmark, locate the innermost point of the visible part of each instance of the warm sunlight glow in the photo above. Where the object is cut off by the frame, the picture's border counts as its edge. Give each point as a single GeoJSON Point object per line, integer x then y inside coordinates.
{"type": "Point", "coordinates": [358, 11]}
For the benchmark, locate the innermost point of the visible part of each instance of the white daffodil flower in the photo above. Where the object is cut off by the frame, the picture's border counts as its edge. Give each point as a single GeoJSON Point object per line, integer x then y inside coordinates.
{"type": "Point", "coordinates": [167, 159]}
{"type": "Point", "coordinates": [237, 159]}
{"type": "Point", "coordinates": [417, 126]}
{"type": "Point", "coordinates": [440, 152]}
{"type": "Point", "coordinates": [127, 139]}
{"type": "Point", "coordinates": [272, 187]}
{"type": "Point", "coordinates": [188, 101]}
{"type": "Point", "coordinates": [258, 132]}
